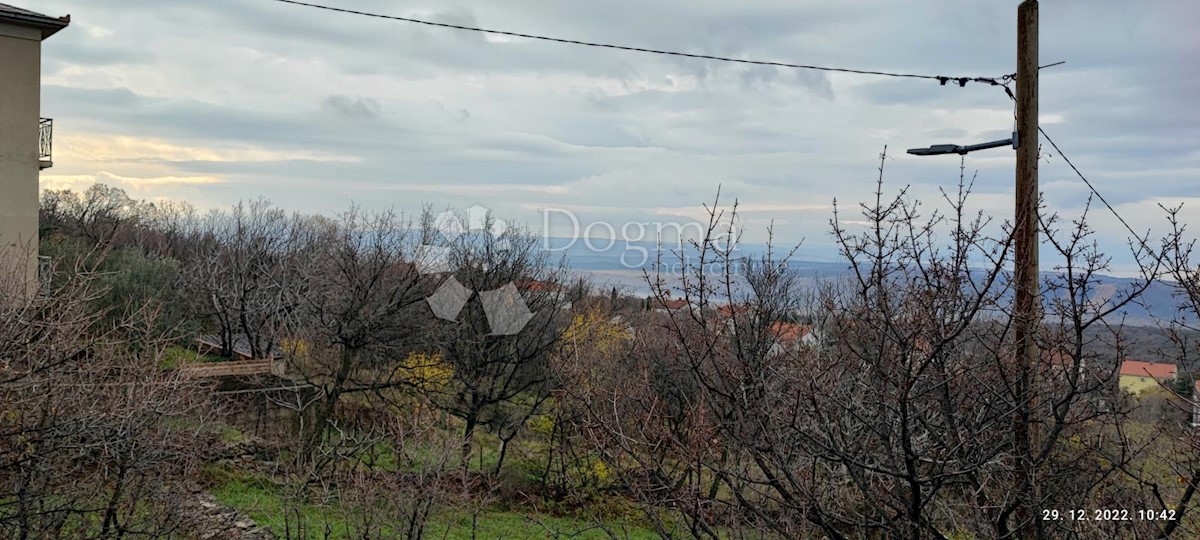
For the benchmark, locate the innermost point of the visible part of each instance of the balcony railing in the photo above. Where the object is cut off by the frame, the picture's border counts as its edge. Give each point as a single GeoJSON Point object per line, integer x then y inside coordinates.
{"type": "Point", "coordinates": [46, 143]}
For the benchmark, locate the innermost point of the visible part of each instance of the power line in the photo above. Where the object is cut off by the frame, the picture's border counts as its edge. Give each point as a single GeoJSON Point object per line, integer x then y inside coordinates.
{"type": "Point", "coordinates": [962, 81]}
{"type": "Point", "coordinates": [1002, 81]}
{"type": "Point", "coordinates": [1079, 173]}
{"type": "Point", "coordinates": [1005, 80]}
{"type": "Point", "coordinates": [1093, 188]}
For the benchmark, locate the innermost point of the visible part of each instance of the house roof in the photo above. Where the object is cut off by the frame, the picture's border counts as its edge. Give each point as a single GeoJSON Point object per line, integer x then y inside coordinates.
{"type": "Point", "coordinates": [729, 310]}
{"type": "Point", "coordinates": [677, 303]}
{"type": "Point", "coordinates": [23, 17]}
{"type": "Point", "coordinates": [1157, 370]}
{"type": "Point", "coordinates": [786, 332]}
{"type": "Point", "coordinates": [1060, 357]}
{"type": "Point", "coordinates": [533, 285]}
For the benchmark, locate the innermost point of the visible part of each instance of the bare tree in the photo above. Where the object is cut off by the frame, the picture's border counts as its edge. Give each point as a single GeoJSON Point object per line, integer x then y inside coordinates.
{"type": "Point", "coordinates": [356, 294]}
{"type": "Point", "coordinates": [1180, 442]}
{"type": "Point", "coordinates": [901, 421]}
{"type": "Point", "coordinates": [96, 216]}
{"type": "Point", "coordinates": [95, 440]}
{"type": "Point", "coordinates": [499, 345]}
{"type": "Point", "coordinates": [234, 273]}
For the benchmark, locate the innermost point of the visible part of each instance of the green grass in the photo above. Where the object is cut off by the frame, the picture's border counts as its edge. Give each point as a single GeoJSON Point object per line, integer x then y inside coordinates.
{"type": "Point", "coordinates": [229, 434]}
{"type": "Point", "coordinates": [257, 499]}
{"type": "Point", "coordinates": [264, 503]}
{"type": "Point", "coordinates": [514, 525]}
{"type": "Point", "coordinates": [175, 355]}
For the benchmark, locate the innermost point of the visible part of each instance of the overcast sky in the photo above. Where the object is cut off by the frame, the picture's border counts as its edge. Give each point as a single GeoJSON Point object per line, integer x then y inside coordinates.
{"type": "Point", "coordinates": [221, 100]}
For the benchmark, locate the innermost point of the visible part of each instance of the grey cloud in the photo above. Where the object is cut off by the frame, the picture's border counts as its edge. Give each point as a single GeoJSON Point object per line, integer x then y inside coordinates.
{"type": "Point", "coordinates": [600, 121]}
{"type": "Point", "coordinates": [345, 37]}
{"type": "Point", "coordinates": [459, 17]}
{"type": "Point", "coordinates": [461, 114]}
{"type": "Point", "coordinates": [105, 98]}
{"type": "Point", "coordinates": [596, 131]}
{"type": "Point", "coordinates": [947, 133]}
{"type": "Point", "coordinates": [928, 93]}
{"type": "Point", "coordinates": [993, 135]}
{"type": "Point", "coordinates": [753, 76]}
{"type": "Point", "coordinates": [816, 81]}
{"type": "Point", "coordinates": [124, 112]}
{"type": "Point", "coordinates": [389, 153]}
{"type": "Point", "coordinates": [95, 55]}
{"type": "Point", "coordinates": [349, 107]}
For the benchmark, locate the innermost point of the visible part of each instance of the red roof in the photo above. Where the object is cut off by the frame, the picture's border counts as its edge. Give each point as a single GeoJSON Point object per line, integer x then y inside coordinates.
{"type": "Point", "coordinates": [537, 286]}
{"type": "Point", "coordinates": [1060, 357]}
{"type": "Point", "coordinates": [1138, 368]}
{"type": "Point", "coordinates": [789, 332]}
{"type": "Point", "coordinates": [678, 303]}
{"type": "Point", "coordinates": [729, 310]}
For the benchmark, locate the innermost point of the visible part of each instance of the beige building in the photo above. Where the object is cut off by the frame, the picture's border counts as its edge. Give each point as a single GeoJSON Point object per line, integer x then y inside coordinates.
{"type": "Point", "coordinates": [25, 137]}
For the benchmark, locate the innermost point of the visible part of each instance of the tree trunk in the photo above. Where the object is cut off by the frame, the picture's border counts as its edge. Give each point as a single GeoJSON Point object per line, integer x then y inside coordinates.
{"type": "Point", "coordinates": [468, 438]}
{"type": "Point", "coordinates": [110, 512]}
{"type": "Point", "coordinates": [503, 451]}
{"type": "Point", "coordinates": [329, 404]}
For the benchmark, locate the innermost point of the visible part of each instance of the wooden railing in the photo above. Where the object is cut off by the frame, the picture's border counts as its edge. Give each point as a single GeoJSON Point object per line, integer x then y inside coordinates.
{"type": "Point", "coordinates": [228, 369]}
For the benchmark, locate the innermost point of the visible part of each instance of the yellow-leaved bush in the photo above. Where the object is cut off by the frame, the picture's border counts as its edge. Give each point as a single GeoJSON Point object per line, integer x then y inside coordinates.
{"type": "Point", "coordinates": [591, 328]}
{"type": "Point", "coordinates": [425, 371]}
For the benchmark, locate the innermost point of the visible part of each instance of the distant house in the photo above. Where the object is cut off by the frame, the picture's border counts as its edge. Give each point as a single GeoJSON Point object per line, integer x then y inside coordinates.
{"type": "Point", "coordinates": [725, 317]}
{"type": "Point", "coordinates": [1137, 375]}
{"type": "Point", "coordinates": [670, 305]}
{"type": "Point", "coordinates": [536, 287]}
{"type": "Point", "coordinates": [1062, 363]}
{"type": "Point", "coordinates": [790, 336]}
{"type": "Point", "coordinates": [25, 137]}
{"type": "Point", "coordinates": [785, 336]}
{"type": "Point", "coordinates": [729, 311]}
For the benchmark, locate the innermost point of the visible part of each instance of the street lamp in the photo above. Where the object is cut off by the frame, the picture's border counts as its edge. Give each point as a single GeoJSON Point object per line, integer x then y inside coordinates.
{"type": "Point", "coordinates": [941, 149]}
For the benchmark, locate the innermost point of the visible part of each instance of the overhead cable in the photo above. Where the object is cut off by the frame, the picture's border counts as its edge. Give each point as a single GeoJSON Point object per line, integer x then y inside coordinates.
{"type": "Point", "coordinates": [943, 80]}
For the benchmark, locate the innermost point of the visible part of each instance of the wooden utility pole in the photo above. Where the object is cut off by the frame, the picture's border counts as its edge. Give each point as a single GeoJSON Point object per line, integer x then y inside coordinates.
{"type": "Point", "coordinates": [1027, 310]}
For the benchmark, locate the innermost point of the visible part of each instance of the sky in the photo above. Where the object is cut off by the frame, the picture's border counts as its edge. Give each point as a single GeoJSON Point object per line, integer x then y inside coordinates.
{"type": "Point", "coordinates": [218, 101]}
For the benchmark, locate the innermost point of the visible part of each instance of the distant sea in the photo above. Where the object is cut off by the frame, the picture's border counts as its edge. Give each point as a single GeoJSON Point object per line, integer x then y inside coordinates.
{"type": "Point", "coordinates": [624, 265]}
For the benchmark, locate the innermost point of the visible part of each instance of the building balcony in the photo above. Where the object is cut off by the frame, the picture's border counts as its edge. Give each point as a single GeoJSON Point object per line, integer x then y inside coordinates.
{"type": "Point", "coordinates": [45, 143]}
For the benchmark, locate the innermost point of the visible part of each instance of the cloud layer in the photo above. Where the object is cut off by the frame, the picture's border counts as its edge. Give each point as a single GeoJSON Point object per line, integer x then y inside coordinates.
{"type": "Point", "coordinates": [228, 99]}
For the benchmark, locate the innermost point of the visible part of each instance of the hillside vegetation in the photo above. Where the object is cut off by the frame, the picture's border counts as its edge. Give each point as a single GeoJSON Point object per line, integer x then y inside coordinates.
{"type": "Point", "coordinates": [422, 381]}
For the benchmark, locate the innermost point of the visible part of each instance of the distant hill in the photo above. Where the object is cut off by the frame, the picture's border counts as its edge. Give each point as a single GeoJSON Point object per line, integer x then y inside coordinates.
{"type": "Point", "coordinates": [624, 264]}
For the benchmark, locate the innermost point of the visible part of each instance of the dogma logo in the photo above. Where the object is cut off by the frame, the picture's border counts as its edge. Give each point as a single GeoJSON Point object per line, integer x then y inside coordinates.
{"type": "Point", "coordinates": [505, 309]}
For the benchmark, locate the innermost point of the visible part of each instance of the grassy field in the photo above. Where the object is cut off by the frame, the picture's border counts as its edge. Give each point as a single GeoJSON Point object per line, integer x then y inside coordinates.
{"type": "Point", "coordinates": [263, 502]}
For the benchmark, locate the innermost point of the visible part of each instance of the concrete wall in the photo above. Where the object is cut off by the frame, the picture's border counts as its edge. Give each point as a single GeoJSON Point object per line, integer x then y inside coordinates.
{"type": "Point", "coordinates": [20, 109]}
